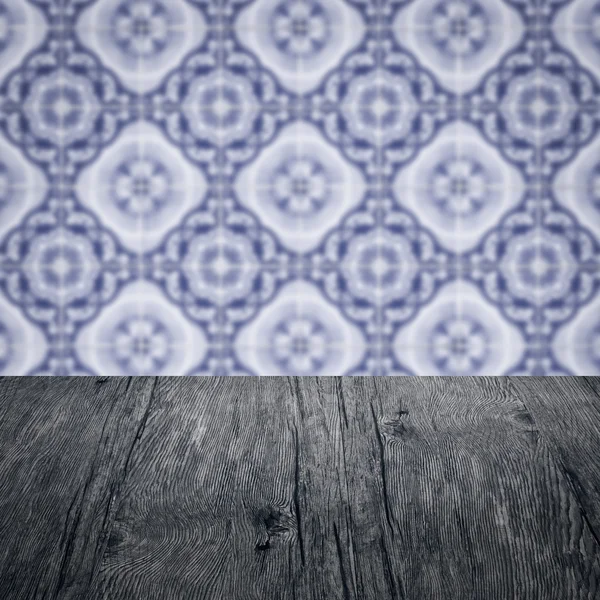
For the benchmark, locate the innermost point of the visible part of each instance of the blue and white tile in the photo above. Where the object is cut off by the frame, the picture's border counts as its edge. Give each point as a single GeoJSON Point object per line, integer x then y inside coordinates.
{"type": "Point", "coordinates": [23, 346]}
{"type": "Point", "coordinates": [539, 107]}
{"type": "Point", "coordinates": [300, 333]}
{"type": "Point", "coordinates": [220, 266]}
{"type": "Point", "coordinates": [140, 187]}
{"type": "Point", "coordinates": [458, 40]}
{"type": "Point", "coordinates": [141, 333]}
{"type": "Point", "coordinates": [380, 107]}
{"type": "Point", "coordinates": [380, 269]}
{"type": "Point", "coordinates": [60, 267]}
{"type": "Point", "coordinates": [300, 40]}
{"type": "Point", "coordinates": [141, 40]}
{"type": "Point", "coordinates": [459, 333]}
{"type": "Point", "coordinates": [299, 186]}
{"type": "Point", "coordinates": [459, 187]}
{"type": "Point", "coordinates": [577, 343]}
{"type": "Point", "coordinates": [538, 268]}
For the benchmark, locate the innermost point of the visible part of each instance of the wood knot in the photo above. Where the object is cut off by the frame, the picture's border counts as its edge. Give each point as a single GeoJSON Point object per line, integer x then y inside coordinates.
{"type": "Point", "coordinates": [526, 425]}
{"type": "Point", "coordinates": [262, 547]}
{"type": "Point", "coordinates": [398, 426]}
{"type": "Point", "coordinates": [115, 539]}
{"type": "Point", "coordinates": [271, 523]}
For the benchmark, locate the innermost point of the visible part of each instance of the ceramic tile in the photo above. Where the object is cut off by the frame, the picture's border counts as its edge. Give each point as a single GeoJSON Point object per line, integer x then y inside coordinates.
{"type": "Point", "coordinates": [299, 187]}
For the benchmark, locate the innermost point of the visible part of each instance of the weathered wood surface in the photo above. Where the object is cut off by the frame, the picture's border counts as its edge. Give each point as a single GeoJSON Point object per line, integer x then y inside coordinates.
{"type": "Point", "coordinates": [300, 488]}
{"type": "Point", "coordinates": [64, 447]}
{"type": "Point", "coordinates": [567, 411]}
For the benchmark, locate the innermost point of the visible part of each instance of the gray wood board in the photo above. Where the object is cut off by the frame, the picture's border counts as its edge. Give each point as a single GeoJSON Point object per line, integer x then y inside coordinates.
{"type": "Point", "coordinates": [243, 488]}
{"type": "Point", "coordinates": [567, 412]}
{"type": "Point", "coordinates": [64, 447]}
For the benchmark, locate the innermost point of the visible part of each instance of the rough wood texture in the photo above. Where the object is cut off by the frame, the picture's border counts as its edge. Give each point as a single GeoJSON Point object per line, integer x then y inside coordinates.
{"type": "Point", "coordinates": [300, 488]}
{"type": "Point", "coordinates": [64, 448]}
{"type": "Point", "coordinates": [567, 412]}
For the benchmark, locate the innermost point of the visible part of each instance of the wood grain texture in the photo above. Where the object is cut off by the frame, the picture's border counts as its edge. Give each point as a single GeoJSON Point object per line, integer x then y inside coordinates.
{"type": "Point", "coordinates": [208, 510]}
{"type": "Point", "coordinates": [478, 508]}
{"type": "Point", "coordinates": [299, 488]}
{"type": "Point", "coordinates": [367, 488]}
{"type": "Point", "coordinates": [64, 447]}
{"type": "Point", "coordinates": [567, 412]}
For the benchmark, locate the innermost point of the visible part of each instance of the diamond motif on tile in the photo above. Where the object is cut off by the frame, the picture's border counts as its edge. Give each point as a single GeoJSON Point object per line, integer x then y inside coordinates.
{"type": "Point", "coordinates": [299, 333]}
{"type": "Point", "coordinates": [301, 186]}
{"type": "Point", "coordinates": [459, 333]}
{"type": "Point", "coordinates": [459, 40]}
{"type": "Point", "coordinates": [141, 40]}
{"type": "Point", "coordinates": [141, 187]}
{"type": "Point", "coordinates": [141, 333]}
{"type": "Point", "coordinates": [300, 40]}
{"type": "Point", "coordinates": [459, 187]}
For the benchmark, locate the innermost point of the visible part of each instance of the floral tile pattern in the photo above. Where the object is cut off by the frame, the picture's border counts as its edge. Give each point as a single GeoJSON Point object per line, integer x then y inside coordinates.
{"type": "Point", "coordinates": [300, 187]}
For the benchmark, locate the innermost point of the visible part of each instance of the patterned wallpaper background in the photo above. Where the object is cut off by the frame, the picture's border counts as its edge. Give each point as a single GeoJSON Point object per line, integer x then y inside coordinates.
{"type": "Point", "coordinates": [299, 186]}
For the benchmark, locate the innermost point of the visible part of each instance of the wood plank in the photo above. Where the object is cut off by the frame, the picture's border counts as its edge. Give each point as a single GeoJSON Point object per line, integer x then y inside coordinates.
{"type": "Point", "coordinates": [334, 561]}
{"type": "Point", "coordinates": [64, 447]}
{"type": "Point", "coordinates": [341, 489]}
{"type": "Point", "coordinates": [369, 488]}
{"type": "Point", "coordinates": [473, 503]}
{"type": "Point", "coordinates": [567, 411]}
{"type": "Point", "coordinates": [208, 510]}
{"type": "Point", "coordinates": [243, 481]}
